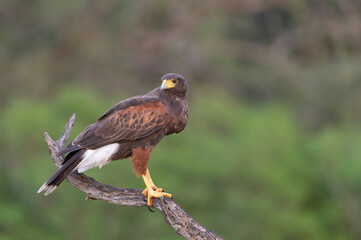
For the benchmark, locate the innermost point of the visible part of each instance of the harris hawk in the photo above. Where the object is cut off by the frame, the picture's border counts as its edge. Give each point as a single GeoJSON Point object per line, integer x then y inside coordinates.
{"type": "Point", "coordinates": [131, 128]}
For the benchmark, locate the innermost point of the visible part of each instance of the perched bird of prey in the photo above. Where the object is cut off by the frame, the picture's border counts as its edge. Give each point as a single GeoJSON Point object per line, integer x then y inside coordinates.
{"type": "Point", "coordinates": [131, 128]}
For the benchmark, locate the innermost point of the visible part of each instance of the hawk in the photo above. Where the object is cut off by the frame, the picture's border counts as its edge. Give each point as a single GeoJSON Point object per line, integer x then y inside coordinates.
{"type": "Point", "coordinates": [131, 128]}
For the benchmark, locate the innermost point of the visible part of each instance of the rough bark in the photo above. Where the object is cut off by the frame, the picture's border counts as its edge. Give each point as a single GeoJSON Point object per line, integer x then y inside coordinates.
{"type": "Point", "coordinates": [174, 215]}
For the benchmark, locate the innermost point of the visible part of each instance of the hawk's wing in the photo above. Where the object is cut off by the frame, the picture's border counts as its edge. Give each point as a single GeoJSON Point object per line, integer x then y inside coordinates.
{"type": "Point", "coordinates": [128, 123]}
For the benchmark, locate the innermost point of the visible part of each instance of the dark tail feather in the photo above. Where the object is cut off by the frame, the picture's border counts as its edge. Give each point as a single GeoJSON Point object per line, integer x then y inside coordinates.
{"type": "Point", "coordinates": [70, 149]}
{"type": "Point", "coordinates": [62, 173]}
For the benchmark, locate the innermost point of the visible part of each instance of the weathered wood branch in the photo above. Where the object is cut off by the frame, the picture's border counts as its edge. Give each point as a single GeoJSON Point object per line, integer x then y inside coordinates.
{"type": "Point", "coordinates": [174, 215]}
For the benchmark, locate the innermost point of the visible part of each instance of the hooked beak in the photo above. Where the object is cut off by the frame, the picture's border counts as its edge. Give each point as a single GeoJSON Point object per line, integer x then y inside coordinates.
{"type": "Point", "coordinates": [163, 86]}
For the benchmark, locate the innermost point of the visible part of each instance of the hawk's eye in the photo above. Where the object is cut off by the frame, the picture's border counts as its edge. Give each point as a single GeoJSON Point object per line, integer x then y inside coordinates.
{"type": "Point", "coordinates": [175, 81]}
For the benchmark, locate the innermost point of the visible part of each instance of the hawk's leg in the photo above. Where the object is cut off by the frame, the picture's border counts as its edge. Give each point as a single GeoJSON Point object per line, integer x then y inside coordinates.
{"type": "Point", "coordinates": [152, 191]}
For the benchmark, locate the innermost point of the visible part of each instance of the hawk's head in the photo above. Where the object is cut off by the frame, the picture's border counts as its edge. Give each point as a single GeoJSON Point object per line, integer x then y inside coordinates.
{"type": "Point", "coordinates": [175, 83]}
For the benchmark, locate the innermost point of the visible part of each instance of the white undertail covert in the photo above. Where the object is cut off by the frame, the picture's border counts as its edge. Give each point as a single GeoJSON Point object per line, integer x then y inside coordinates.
{"type": "Point", "coordinates": [97, 158]}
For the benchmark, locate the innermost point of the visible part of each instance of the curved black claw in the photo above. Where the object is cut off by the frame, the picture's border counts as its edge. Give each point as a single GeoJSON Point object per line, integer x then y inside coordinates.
{"type": "Point", "coordinates": [150, 210]}
{"type": "Point", "coordinates": [145, 199]}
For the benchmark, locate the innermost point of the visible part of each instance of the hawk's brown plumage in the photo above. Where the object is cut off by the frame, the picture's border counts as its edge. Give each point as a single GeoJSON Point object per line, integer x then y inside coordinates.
{"type": "Point", "coordinates": [130, 128]}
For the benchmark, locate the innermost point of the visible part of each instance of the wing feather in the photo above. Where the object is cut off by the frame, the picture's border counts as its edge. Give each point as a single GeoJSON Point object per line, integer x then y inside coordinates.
{"type": "Point", "coordinates": [130, 123]}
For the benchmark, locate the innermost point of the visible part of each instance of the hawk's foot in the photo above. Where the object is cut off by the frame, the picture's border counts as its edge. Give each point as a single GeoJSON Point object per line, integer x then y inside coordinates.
{"type": "Point", "coordinates": [154, 192]}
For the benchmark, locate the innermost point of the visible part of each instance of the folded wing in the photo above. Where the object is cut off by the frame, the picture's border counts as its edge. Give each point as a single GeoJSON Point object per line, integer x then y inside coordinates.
{"type": "Point", "coordinates": [126, 124]}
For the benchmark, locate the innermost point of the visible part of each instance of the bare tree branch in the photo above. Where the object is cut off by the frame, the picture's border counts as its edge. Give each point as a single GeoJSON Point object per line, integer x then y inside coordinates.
{"type": "Point", "coordinates": [174, 215]}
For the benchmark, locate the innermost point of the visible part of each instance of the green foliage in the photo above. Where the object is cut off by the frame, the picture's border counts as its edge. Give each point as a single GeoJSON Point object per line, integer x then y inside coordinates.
{"type": "Point", "coordinates": [244, 171]}
{"type": "Point", "coordinates": [306, 53]}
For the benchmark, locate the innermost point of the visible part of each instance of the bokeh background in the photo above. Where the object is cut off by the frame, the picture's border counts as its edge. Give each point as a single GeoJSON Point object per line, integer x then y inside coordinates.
{"type": "Point", "coordinates": [272, 148]}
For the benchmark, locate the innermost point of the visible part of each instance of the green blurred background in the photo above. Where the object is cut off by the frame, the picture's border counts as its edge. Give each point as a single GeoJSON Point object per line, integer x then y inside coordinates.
{"type": "Point", "coordinates": [272, 147]}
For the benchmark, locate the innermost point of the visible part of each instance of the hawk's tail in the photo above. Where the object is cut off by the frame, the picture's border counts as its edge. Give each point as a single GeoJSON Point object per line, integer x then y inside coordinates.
{"type": "Point", "coordinates": [68, 166]}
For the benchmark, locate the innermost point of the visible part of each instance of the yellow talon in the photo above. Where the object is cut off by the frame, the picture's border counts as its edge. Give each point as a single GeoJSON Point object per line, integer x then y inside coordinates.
{"type": "Point", "coordinates": [159, 190]}
{"type": "Point", "coordinates": [154, 194]}
{"type": "Point", "coordinates": [152, 191]}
